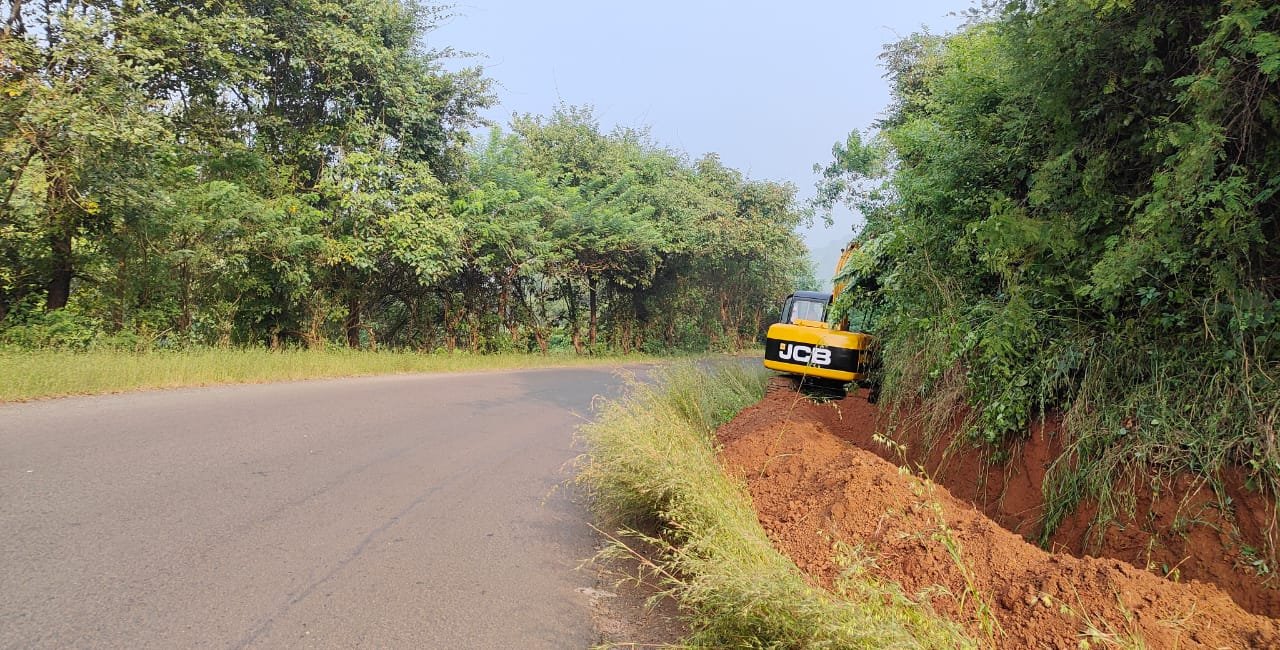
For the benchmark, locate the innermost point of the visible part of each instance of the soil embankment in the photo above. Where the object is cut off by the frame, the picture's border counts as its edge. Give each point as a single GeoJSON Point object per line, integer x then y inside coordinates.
{"type": "Point", "coordinates": [834, 506]}
{"type": "Point", "coordinates": [1179, 528]}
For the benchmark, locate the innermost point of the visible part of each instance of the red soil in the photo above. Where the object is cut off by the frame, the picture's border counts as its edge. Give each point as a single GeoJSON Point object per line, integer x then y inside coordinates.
{"type": "Point", "coordinates": [814, 484]}
{"type": "Point", "coordinates": [1178, 528]}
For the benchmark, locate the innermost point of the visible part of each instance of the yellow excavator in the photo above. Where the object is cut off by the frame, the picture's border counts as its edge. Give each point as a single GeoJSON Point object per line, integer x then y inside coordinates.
{"type": "Point", "coordinates": [821, 358]}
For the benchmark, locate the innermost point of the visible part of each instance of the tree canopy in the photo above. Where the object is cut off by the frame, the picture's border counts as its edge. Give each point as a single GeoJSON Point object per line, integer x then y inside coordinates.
{"type": "Point", "coordinates": [300, 173]}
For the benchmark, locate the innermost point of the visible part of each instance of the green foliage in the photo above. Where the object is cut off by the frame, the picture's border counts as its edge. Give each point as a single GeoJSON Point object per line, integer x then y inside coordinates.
{"type": "Point", "coordinates": [1081, 217]}
{"type": "Point", "coordinates": [652, 459]}
{"type": "Point", "coordinates": [57, 329]}
{"type": "Point", "coordinates": [285, 173]}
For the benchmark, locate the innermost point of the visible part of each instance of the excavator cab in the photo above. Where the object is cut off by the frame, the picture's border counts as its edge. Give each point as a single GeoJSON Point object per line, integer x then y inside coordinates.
{"type": "Point", "coordinates": [806, 306]}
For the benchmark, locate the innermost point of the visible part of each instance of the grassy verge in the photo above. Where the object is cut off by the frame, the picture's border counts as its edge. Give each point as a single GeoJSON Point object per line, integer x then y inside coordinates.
{"type": "Point", "coordinates": [35, 374]}
{"type": "Point", "coordinates": [652, 459]}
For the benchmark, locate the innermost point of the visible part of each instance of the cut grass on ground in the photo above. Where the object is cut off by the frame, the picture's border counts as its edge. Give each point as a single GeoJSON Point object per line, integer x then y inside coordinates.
{"type": "Point", "coordinates": [651, 461]}
{"type": "Point", "coordinates": [28, 375]}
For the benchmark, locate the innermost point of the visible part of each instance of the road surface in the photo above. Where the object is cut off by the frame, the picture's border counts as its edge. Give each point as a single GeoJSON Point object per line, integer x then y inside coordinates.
{"type": "Point", "coordinates": [425, 511]}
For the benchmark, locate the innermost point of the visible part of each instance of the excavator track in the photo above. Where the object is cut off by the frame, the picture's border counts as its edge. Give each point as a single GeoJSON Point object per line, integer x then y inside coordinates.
{"type": "Point", "coordinates": [780, 385]}
{"type": "Point", "coordinates": [816, 390]}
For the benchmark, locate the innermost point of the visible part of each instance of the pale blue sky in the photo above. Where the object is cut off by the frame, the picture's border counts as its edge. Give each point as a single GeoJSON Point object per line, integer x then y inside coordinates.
{"type": "Point", "coordinates": [768, 86]}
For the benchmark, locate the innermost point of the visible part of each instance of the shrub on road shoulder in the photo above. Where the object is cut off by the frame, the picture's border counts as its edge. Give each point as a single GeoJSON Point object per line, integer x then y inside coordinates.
{"type": "Point", "coordinates": [652, 459]}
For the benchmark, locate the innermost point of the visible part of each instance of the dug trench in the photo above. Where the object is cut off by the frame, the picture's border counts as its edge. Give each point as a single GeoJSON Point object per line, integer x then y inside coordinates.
{"type": "Point", "coordinates": [955, 534]}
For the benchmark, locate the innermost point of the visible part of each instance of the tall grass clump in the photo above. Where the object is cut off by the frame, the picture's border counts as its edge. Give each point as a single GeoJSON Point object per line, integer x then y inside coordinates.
{"type": "Point", "coordinates": [652, 462]}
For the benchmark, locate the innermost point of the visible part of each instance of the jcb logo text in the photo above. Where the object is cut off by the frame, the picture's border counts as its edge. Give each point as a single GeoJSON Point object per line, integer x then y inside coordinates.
{"type": "Point", "coordinates": [804, 354]}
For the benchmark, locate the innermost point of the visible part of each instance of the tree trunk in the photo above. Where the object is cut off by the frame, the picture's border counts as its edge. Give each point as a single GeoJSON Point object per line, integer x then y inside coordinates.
{"type": "Point", "coordinates": [624, 337]}
{"type": "Point", "coordinates": [15, 178]}
{"type": "Point", "coordinates": [739, 323]}
{"type": "Point", "coordinates": [61, 232]}
{"type": "Point", "coordinates": [59, 288]}
{"type": "Point", "coordinates": [473, 318]}
{"type": "Point", "coordinates": [504, 319]}
{"type": "Point", "coordinates": [450, 334]}
{"type": "Point", "coordinates": [184, 316]}
{"type": "Point", "coordinates": [639, 319]}
{"type": "Point", "coordinates": [122, 290]}
{"type": "Point", "coordinates": [14, 26]}
{"type": "Point", "coordinates": [317, 313]}
{"type": "Point", "coordinates": [452, 318]}
{"type": "Point", "coordinates": [429, 331]}
{"type": "Point", "coordinates": [352, 324]}
{"type": "Point", "coordinates": [593, 286]}
{"type": "Point", "coordinates": [724, 322]}
{"type": "Point", "coordinates": [541, 329]}
{"type": "Point", "coordinates": [571, 304]}
{"type": "Point", "coordinates": [513, 310]}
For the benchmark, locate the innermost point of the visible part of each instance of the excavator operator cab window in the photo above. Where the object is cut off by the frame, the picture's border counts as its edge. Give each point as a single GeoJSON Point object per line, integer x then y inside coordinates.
{"type": "Point", "coordinates": [806, 309]}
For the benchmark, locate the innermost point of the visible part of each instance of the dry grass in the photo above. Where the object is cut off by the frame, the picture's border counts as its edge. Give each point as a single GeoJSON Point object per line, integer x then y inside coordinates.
{"type": "Point", "coordinates": [652, 461]}
{"type": "Point", "coordinates": [28, 375]}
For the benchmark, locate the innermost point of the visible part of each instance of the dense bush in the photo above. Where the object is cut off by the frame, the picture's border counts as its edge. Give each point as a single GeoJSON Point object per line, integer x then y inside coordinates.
{"type": "Point", "coordinates": [1072, 206]}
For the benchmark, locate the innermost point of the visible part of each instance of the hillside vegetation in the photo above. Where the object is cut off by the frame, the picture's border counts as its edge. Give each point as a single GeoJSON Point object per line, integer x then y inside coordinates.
{"type": "Point", "coordinates": [1072, 209]}
{"type": "Point", "coordinates": [295, 173]}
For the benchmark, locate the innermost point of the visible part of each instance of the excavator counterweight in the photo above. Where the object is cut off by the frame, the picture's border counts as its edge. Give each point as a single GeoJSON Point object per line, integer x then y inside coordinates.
{"type": "Point", "coordinates": [803, 344]}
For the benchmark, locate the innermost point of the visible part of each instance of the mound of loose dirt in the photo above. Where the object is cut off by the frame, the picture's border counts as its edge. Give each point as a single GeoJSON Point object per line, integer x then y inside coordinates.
{"type": "Point", "coordinates": [829, 504]}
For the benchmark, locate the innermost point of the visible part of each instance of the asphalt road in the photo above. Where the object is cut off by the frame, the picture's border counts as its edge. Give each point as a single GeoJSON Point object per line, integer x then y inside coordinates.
{"type": "Point", "coordinates": [426, 511]}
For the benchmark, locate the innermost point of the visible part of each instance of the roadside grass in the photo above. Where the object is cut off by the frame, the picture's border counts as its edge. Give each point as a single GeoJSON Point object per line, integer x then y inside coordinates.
{"type": "Point", "coordinates": [651, 462]}
{"type": "Point", "coordinates": [33, 374]}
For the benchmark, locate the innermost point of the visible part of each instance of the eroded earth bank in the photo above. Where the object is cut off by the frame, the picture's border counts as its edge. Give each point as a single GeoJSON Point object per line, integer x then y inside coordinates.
{"type": "Point", "coordinates": [834, 495]}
